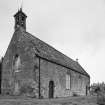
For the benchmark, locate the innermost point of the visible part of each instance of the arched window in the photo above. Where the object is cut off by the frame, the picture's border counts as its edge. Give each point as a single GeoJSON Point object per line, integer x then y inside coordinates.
{"type": "Point", "coordinates": [67, 81]}
{"type": "Point", "coordinates": [51, 89]}
{"type": "Point", "coordinates": [17, 63]}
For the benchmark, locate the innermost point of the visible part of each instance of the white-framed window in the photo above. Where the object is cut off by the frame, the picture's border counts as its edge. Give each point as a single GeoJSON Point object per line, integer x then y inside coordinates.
{"type": "Point", "coordinates": [67, 81]}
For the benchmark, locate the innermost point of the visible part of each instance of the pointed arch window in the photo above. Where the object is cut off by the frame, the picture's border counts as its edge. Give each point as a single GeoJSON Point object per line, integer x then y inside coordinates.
{"type": "Point", "coordinates": [17, 63]}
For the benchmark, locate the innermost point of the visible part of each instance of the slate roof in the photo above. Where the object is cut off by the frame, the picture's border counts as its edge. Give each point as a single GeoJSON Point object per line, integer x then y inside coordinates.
{"type": "Point", "coordinates": [49, 53]}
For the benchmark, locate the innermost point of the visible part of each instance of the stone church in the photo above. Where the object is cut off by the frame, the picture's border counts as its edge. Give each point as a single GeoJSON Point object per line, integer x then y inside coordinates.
{"type": "Point", "coordinates": [33, 68]}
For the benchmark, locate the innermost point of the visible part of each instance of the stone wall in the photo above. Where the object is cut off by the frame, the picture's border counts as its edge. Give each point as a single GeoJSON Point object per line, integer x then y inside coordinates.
{"type": "Point", "coordinates": [53, 72]}
{"type": "Point", "coordinates": [25, 80]}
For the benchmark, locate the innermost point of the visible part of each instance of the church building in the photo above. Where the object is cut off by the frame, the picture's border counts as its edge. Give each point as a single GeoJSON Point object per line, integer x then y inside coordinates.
{"type": "Point", "coordinates": [33, 68]}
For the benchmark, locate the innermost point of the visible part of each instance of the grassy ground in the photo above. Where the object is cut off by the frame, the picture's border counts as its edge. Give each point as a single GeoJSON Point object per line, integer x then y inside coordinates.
{"type": "Point", "coordinates": [5, 100]}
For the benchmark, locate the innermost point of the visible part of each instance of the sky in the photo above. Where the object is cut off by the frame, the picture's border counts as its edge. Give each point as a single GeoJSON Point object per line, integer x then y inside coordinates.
{"type": "Point", "coordinates": [74, 27]}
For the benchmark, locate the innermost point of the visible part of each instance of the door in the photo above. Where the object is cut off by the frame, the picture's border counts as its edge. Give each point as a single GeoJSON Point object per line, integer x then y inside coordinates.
{"type": "Point", "coordinates": [51, 89]}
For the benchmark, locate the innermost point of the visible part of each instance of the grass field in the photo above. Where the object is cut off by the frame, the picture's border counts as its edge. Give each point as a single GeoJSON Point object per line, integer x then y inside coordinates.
{"type": "Point", "coordinates": [7, 100]}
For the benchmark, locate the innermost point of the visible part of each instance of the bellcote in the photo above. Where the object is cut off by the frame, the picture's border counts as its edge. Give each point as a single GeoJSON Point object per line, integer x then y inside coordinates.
{"type": "Point", "coordinates": [20, 19]}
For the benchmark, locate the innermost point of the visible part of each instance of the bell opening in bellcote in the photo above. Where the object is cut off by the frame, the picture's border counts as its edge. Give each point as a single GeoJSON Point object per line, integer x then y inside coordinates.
{"type": "Point", "coordinates": [20, 19]}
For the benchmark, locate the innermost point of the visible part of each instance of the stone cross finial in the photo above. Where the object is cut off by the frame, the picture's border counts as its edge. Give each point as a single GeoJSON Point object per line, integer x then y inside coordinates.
{"type": "Point", "coordinates": [77, 59]}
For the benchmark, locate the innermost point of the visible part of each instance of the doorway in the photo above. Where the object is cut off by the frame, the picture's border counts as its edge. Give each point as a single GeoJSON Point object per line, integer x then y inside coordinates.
{"type": "Point", "coordinates": [51, 89]}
